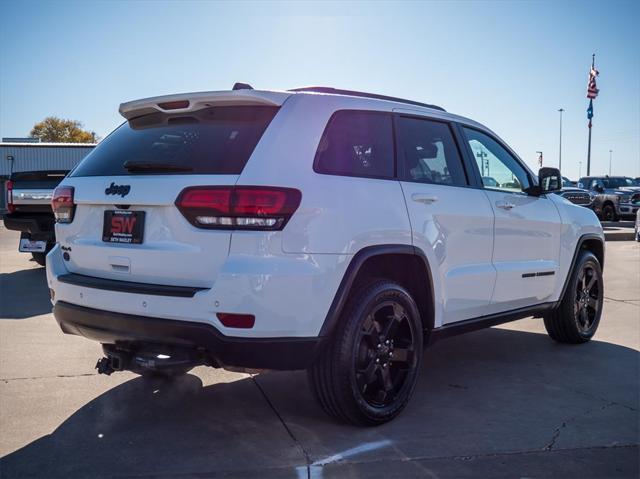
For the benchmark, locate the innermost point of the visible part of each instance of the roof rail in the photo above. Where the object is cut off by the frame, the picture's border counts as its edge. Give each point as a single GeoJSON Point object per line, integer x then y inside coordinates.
{"type": "Point", "coordinates": [336, 91]}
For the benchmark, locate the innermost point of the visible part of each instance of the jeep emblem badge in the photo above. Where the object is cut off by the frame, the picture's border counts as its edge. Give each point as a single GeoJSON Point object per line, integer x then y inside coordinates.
{"type": "Point", "coordinates": [113, 189]}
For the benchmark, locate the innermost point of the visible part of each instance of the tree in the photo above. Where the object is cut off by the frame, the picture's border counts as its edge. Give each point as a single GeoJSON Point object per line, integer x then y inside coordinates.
{"type": "Point", "coordinates": [58, 130]}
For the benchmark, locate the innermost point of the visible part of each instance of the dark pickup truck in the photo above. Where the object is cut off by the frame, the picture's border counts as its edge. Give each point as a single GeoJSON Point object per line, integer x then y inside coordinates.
{"type": "Point", "coordinates": [616, 196]}
{"type": "Point", "coordinates": [29, 210]}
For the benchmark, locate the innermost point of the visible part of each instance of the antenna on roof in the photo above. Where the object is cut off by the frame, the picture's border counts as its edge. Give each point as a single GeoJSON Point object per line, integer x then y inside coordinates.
{"type": "Point", "coordinates": [242, 86]}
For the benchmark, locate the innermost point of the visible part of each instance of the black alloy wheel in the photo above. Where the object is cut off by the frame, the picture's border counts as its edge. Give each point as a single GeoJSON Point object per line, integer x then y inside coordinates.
{"type": "Point", "coordinates": [385, 354]}
{"type": "Point", "coordinates": [576, 318]}
{"type": "Point", "coordinates": [367, 372]}
{"type": "Point", "coordinates": [587, 304]}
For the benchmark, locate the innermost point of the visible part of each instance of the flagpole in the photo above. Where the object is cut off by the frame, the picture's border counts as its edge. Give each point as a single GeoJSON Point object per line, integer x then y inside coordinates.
{"type": "Point", "coordinates": [560, 148]}
{"type": "Point", "coordinates": [589, 152]}
{"type": "Point", "coordinates": [593, 65]}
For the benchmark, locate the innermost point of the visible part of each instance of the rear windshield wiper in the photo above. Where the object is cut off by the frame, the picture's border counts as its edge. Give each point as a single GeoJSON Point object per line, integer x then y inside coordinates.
{"type": "Point", "coordinates": [145, 166]}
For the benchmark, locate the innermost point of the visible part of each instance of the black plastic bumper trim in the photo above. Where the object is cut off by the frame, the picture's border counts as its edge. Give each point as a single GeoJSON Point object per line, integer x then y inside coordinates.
{"type": "Point", "coordinates": [138, 331]}
{"type": "Point", "coordinates": [128, 286]}
{"type": "Point", "coordinates": [33, 225]}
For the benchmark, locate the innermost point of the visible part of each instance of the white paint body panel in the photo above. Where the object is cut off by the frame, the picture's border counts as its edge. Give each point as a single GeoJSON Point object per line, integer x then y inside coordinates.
{"type": "Point", "coordinates": [526, 240]}
{"type": "Point", "coordinates": [456, 233]}
{"type": "Point", "coordinates": [288, 279]}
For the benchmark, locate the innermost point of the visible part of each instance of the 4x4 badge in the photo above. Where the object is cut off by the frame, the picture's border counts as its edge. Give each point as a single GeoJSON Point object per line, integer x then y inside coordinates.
{"type": "Point", "coordinates": [113, 189]}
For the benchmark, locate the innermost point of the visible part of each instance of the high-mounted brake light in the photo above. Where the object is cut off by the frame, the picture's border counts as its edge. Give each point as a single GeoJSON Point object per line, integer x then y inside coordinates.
{"type": "Point", "coordinates": [174, 105]}
{"type": "Point", "coordinates": [238, 207]}
{"type": "Point", "coordinates": [10, 206]}
{"type": "Point", "coordinates": [62, 204]}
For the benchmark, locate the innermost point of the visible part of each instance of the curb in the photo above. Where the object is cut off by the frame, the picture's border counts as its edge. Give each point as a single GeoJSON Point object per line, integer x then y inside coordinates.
{"type": "Point", "coordinates": [620, 236]}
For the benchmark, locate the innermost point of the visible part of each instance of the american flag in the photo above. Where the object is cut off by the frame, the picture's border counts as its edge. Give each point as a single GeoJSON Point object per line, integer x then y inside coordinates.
{"type": "Point", "coordinates": [592, 90]}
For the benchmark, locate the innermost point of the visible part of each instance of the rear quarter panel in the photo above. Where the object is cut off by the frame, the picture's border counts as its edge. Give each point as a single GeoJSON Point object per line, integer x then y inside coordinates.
{"type": "Point", "coordinates": [338, 214]}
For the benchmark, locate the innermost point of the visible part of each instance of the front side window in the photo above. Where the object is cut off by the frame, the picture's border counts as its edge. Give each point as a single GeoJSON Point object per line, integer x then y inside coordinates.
{"type": "Point", "coordinates": [498, 168]}
{"type": "Point", "coordinates": [357, 143]}
{"type": "Point", "coordinates": [616, 182]}
{"type": "Point", "coordinates": [427, 152]}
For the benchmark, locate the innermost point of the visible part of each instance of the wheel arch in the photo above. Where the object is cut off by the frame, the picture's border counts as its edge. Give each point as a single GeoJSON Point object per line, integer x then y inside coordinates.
{"type": "Point", "coordinates": [587, 242]}
{"type": "Point", "coordinates": [405, 264]}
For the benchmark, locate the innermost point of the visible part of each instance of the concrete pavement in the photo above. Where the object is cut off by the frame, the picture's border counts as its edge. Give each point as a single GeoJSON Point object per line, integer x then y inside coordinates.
{"type": "Point", "coordinates": [503, 402]}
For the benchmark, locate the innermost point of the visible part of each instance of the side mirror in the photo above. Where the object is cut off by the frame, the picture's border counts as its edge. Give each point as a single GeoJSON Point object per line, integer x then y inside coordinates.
{"type": "Point", "coordinates": [549, 181]}
{"type": "Point", "coordinates": [598, 187]}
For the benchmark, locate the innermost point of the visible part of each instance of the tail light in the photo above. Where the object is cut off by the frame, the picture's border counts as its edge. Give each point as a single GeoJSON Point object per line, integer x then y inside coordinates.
{"type": "Point", "coordinates": [62, 204]}
{"type": "Point", "coordinates": [238, 207]}
{"type": "Point", "coordinates": [10, 206]}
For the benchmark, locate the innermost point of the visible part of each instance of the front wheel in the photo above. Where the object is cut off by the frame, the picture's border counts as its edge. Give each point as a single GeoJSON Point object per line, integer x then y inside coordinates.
{"type": "Point", "coordinates": [609, 213]}
{"type": "Point", "coordinates": [576, 319]}
{"type": "Point", "coordinates": [367, 373]}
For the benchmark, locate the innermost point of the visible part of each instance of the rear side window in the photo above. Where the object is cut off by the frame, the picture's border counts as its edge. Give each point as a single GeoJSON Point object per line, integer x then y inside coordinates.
{"type": "Point", "coordinates": [427, 152]}
{"type": "Point", "coordinates": [357, 143]}
{"type": "Point", "coordinates": [216, 140]}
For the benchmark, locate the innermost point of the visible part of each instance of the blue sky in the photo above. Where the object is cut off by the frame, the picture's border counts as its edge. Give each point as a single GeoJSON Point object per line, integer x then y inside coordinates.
{"type": "Point", "coordinates": [509, 65]}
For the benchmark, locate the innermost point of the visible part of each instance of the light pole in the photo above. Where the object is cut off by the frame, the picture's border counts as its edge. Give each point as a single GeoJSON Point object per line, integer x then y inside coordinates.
{"type": "Point", "coordinates": [482, 155]}
{"type": "Point", "coordinates": [560, 147]}
{"type": "Point", "coordinates": [610, 153]}
{"type": "Point", "coordinates": [579, 170]}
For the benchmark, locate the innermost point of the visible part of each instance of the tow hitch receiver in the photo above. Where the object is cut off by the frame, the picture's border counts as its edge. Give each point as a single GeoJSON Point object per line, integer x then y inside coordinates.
{"type": "Point", "coordinates": [152, 359]}
{"type": "Point", "coordinates": [112, 362]}
{"type": "Point", "coordinates": [104, 366]}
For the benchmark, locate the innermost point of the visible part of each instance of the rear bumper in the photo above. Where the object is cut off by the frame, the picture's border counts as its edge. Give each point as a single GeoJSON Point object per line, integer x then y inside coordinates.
{"type": "Point", "coordinates": [39, 227]}
{"type": "Point", "coordinates": [134, 331]}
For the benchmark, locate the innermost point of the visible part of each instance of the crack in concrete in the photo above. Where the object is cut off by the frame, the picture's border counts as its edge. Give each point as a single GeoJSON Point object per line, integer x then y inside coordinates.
{"type": "Point", "coordinates": [6, 380]}
{"type": "Point", "coordinates": [497, 454]}
{"type": "Point", "coordinates": [632, 302]}
{"type": "Point", "coordinates": [286, 427]}
{"type": "Point", "coordinates": [556, 433]}
{"type": "Point", "coordinates": [608, 401]}
{"type": "Point", "coordinates": [239, 473]}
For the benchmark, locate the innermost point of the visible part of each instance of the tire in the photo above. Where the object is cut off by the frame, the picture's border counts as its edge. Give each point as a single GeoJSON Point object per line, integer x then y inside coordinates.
{"type": "Point", "coordinates": [609, 213]}
{"type": "Point", "coordinates": [368, 371]}
{"type": "Point", "coordinates": [577, 317]}
{"type": "Point", "coordinates": [40, 258]}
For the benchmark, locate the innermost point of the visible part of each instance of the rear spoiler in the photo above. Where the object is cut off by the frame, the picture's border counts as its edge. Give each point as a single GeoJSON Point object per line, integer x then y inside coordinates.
{"type": "Point", "coordinates": [188, 102]}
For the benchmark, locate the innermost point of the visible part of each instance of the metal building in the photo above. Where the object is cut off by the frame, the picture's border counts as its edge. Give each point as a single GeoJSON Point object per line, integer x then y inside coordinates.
{"type": "Point", "coordinates": [17, 157]}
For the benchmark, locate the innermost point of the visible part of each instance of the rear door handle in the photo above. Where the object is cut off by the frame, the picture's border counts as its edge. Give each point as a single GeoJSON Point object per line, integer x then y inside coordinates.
{"type": "Point", "coordinates": [422, 198]}
{"type": "Point", "coordinates": [505, 205]}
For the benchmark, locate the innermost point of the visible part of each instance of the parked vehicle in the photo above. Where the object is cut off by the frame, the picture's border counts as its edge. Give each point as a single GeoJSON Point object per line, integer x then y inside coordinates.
{"type": "Point", "coordinates": [490, 182]}
{"type": "Point", "coordinates": [29, 210]}
{"type": "Point", "coordinates": [569, 183]}
{"type": "Point", "coordinates": [616, 196]}
{"type": "Point", "coordinates": [317, 229]}
{"type": "Point", "coordinates": [576, 195]}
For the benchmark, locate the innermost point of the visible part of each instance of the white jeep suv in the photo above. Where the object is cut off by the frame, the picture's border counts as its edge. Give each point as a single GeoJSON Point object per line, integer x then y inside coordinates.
{"type": "Point", "coordinates": [320, 229]}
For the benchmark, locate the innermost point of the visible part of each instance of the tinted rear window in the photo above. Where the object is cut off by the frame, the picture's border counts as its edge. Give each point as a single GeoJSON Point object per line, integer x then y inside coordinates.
{"type": "Point", "coordinates": [216, 140]}
{"type": "Point", "coordinates": [357, 143]}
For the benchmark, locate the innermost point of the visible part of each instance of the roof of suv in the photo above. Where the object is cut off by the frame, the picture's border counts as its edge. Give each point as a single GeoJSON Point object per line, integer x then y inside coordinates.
{"type": "Point", "coordinates": [244, 94]}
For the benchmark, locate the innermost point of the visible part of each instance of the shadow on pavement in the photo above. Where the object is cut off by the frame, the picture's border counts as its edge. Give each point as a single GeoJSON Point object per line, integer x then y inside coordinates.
{"type": "Point", "coordinates": [492, 392]}
{"type": "Point", "coordinates": [24, 294]}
